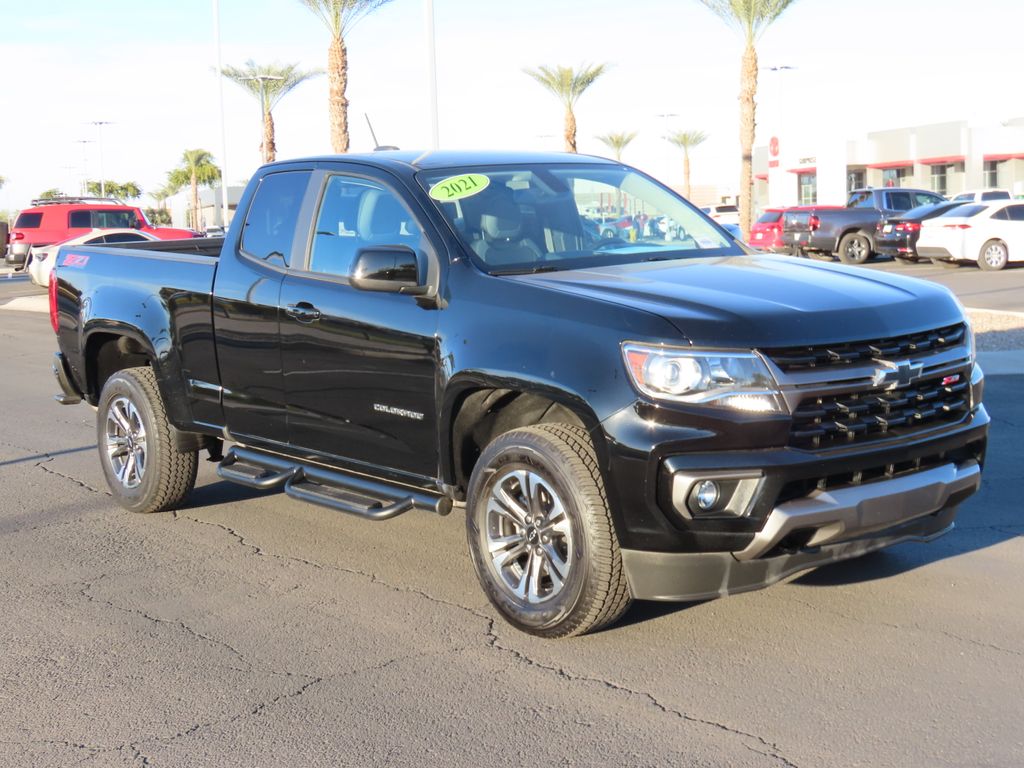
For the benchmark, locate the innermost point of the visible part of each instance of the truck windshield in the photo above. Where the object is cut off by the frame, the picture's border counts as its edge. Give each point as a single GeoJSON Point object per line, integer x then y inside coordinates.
{"type": "Point", "coordinates": [539, 218]}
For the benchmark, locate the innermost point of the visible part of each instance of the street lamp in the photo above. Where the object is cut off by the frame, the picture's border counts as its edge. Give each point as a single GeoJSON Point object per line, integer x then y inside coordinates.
{"type": "Point", "coordinates": [263, 80]}
{"type": "Point", "coordinates": [435, 133]}
{"type": "Point", "coordinates": [99, 141]}
{"type": "Point", "coordinates": [85, 164]}
{"type": "Point", "coordinates": [223, 125]}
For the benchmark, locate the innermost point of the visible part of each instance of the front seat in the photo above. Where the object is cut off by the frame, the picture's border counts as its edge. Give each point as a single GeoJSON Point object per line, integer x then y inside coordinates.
{"type": "Point", "coordinates": [384, 221]}
{"type": "Point", "coordinates": [503, 242]}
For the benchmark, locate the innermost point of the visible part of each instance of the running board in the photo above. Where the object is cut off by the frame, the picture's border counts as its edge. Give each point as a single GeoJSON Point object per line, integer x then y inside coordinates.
{"type": "Point", "coordinates": [331, 488]}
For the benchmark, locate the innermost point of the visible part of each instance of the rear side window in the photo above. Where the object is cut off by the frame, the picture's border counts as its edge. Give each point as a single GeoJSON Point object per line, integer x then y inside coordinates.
{"type": "Point", "coordinates": [1016, 212]}
{"type": "Point", "coordinates": [80, 220]}
{"type": "Point", "coordinates": [923, 198]}
{"type": "Point", "coordinates": [102, 219]}
{"type": "Point", "coordinates": [898, 201]}
{"type": "Point", "coordinates": [769, 217]}
{"type": "Point", "coordinates": [726, 209]}
{"type": "Point", "coordinates": [273, 215]}
{"type": "Point", "coordinates": [123, 237]}
{"type": "Point", "coordinates": [995, 195]}
{"type": "Point", "coordinates": [861, 200]}
{"type": "Point", "coordinates": [28, 221]}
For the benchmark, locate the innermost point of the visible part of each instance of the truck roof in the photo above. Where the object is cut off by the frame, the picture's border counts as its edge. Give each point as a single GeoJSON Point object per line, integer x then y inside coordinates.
{"type": "Point", "coordinates": [430, 159]}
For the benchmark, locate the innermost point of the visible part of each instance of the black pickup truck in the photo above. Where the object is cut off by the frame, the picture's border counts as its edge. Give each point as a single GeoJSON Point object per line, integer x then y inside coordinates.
{"type": "Point", "coordinates": [849, 232]}
{"type": "Point", "coordinates": [653, 416]}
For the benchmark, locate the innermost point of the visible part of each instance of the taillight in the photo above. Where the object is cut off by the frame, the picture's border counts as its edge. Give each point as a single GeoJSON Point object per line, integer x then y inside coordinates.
{"type": "Point", "coordinates": [956, 226]}
{"type": "Point", "coordinates": [813, 222]}
{"type": "Point", "coordinates": [16, 236]}
{"type": "Point", "coordinates": [53, 301]}
{"type": "Point", "coordinates": [908, 226]}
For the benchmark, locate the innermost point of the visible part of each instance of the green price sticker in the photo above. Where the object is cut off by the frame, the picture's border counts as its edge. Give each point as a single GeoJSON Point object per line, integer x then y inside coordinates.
{"type": "Point", "coordinates": [457, 187]}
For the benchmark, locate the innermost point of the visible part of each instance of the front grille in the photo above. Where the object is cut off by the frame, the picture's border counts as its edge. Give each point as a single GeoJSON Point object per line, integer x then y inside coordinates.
{"type": "Point", "coordinates": [857, 417]}
{"type": "Point", "coordinates": [792, 358]}
{"type": "Point", "coordinates": [797, 489]}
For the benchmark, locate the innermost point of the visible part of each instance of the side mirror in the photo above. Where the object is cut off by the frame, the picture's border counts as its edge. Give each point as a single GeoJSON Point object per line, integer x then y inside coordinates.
{"type": "Point", "coordinates": [388, 268]}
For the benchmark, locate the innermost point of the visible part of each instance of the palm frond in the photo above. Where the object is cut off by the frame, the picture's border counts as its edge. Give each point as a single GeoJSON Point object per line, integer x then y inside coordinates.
{"type": "Point", "coordinates": [339, 16]}
{"type": "Point", "coordinates": [286, 77]}
{"type": "Point", "coordinates": [566, 83]}
{"type": "Point", "coordinates": [687, 140]}
{"type": "Point", "coordinates": [750, 17]}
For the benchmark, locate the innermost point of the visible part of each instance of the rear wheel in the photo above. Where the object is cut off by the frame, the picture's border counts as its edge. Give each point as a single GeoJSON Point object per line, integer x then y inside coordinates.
{"type": "Point", "coordinates": [854, 249]}
{"type": "Point", "coordinates": [993, 256]}
{"type": "Point", "coordinates": [541, 535]}
{"type": "Point", "coordinates": [143, 469]}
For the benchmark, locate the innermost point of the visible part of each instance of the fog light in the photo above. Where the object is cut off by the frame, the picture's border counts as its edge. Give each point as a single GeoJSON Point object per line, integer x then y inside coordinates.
{"type": "Point", "coordinates": [707, 495]}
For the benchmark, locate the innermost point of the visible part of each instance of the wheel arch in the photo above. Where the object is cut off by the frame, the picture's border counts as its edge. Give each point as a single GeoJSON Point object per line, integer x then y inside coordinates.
{"type": "Point", "coordinates": [479, 407]}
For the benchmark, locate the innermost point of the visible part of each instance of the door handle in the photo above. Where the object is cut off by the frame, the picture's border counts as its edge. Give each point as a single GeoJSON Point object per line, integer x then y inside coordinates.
{"type": "Point", "coordinates": [304, 312]}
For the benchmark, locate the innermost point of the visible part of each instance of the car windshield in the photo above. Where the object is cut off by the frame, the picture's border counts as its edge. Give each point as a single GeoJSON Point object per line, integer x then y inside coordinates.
{"type": "Point", "coordinates": [964, 211]}
{"type": "Point", "coordinates": [546, 217]}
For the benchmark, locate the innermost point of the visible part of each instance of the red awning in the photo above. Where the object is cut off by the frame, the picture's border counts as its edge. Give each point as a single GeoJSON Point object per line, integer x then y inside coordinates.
{"type": "Point", "coordinates": [896, 164]}
{"type": "Point", "coordinates": [761, 176]}
{"type": "Point", "coordinates": [808, 169]}
{"type": "Point", "coordinates": [947, 160]}
{"type": "Point", "coordinates": [999, 158]}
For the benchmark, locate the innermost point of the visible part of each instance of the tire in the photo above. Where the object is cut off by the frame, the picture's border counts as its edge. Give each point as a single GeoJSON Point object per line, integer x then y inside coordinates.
{"type": "Point", "coordinates": [607, 234]}
{"type": "Point", "coordinates": [132, 430]}
{"type": "Point", "coordinates": [854, 249]}
{"type": "Point", "coordinates": [945, 264]}
{"type": "Point", "coordinates": [558, 467]}
{"type": "Point", "coordinates": [993, 256]}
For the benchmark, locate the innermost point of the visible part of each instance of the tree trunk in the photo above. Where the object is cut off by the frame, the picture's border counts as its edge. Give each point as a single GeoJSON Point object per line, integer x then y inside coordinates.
{"type": "Point", "coordinates": [686, 172]}
{"type": "Point", "coordinates": [195, 203]}
{"type": "Point", "coordinates": [748, 89]}
{"type": "Point", "coordinates": [570, 130]}
{"type": "Point", "coordinates": [269, 147]}
{"type": "Point", "coordinates": [337, 79]}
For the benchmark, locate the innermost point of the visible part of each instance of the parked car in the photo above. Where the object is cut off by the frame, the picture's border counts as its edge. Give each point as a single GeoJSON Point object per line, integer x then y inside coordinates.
{"type": "Point", "coordinates": [849, 233]}
{"type": "Point", "coordinates": [897, 236]}
{"type": "Point", "coordinates": [982, 195]}
{"type": "Point", "coordinates": [991, 234]}
{"type": "Point", "coordinates": [724, 213]}
{"type": "Point", "coordinates": [666, 420]}
{"type": "Point", "coordinates": [47, 222]}
{"type": "Point", "coordinates": [766, 232]}
{"type": "Point", "coordinates": [40, 260]}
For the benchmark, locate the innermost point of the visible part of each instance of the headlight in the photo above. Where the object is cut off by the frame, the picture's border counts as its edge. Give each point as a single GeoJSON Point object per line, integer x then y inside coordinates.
{"type": "Point", "coordinates": [737, 380]}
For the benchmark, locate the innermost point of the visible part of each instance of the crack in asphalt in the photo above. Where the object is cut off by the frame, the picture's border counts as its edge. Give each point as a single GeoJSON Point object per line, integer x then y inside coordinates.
{"type": "Point", "coordinates": [904, 627]}
{"type": "Point", "coordinates": [42, 465]}
{"type": "Point", "coordinates": [493, 642]}
{"type": "Point", "coordinates": [84, 592]}
{"type": "Point", "coordinates": [773, 750]}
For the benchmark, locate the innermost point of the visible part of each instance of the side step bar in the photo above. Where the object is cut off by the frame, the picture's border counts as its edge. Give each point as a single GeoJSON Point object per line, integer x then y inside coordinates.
{"type": "Point", "coordinates": [331, 488]}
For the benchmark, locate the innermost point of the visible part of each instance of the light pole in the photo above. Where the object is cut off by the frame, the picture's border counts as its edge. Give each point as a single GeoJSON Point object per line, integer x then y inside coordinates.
{"type": "Point", "coordinates": [223, 127]}
{"type": "Point", "coordinates": [99, 141]}
{"type": "Point", "coordinates": [775, 187]}
{"type": "Point", "coordinates": [435, 134]}
{"type": "Point", "coordinates": [263, 80]}
{"type": "Point", "coordinates": [85, 164]}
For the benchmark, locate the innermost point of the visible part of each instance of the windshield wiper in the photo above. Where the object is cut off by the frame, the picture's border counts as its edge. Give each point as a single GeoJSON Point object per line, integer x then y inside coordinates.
{"type": "Point", "coordinates": [527, 270]}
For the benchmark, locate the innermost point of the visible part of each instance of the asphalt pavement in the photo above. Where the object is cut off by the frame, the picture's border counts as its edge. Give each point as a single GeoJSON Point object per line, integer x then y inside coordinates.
{"type": "Point", "coordinates": [251, 630]}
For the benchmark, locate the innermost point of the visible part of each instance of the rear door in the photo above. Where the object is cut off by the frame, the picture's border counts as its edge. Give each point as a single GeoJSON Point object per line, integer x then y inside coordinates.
{"type": "Point", "coordinates": [360, 367]}
{"type": "Point", "coordinates": [245, 306]}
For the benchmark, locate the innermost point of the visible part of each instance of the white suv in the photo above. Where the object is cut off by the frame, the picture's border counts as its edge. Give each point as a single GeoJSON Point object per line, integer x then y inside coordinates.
{"type": "Point", "coordinates": [981, 196]}
{"type": "Point", "coordinates": [723, 214]}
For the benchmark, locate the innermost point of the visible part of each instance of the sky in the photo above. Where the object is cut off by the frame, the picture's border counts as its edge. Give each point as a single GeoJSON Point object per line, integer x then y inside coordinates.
{"type": "Point", "coordinates": [147, 68]}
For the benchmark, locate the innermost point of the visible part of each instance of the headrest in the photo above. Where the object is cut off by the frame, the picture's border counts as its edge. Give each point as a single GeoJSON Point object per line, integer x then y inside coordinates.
{"type": "Point", "coordinates": [380, 215]}
{"type": "Point", "coordinates": [503, 220]}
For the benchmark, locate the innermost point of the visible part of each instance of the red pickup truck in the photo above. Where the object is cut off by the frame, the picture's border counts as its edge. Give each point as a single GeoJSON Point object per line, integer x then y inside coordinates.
{"type": "Point", "coordinates": [53, 221]}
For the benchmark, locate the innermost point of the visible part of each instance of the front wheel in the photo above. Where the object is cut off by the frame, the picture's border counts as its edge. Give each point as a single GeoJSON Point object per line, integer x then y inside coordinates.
{"type": "Point", "coordinates": [993, 256]}
{"type": "Point", "coordinates": [143, 469]}
{"type": "Point", "coordinates": [854, 249]}
{"type": "Point", "coordinates": [541, 535]}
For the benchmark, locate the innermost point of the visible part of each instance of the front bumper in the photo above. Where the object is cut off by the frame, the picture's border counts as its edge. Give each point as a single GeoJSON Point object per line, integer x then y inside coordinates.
{"type": "Point", "coordinates": [707, 575]}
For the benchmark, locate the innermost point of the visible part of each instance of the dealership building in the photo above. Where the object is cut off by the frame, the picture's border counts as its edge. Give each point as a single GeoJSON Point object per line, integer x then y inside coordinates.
{"type": "Point", "coordinates": [947, 158]}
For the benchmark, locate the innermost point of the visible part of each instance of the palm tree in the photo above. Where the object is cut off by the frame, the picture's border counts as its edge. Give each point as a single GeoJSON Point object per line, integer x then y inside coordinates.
{"type": "Point", "coordinates": [269, 83]}
{"type": "Point", "coordinates": [339, 16]}
{"type": "Point", "coordinates": [197, 167]}
{"type": "Point", "coordinates": [686, 140]}
{"type": "Point", "coordinates": [568, 85]}
{"type": "Point", "coordinates": [617, 142]}
{"type": "Point", "coordinates": [751, 18]}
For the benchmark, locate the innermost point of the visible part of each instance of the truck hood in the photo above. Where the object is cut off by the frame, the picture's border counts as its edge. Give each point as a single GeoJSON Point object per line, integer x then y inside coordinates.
{"type": "Point", "coordinates": [764, 301]}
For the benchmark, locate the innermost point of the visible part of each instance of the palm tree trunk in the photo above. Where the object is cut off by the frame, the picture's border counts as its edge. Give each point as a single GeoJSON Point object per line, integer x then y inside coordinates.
{"type": "Point", "coordinates": [195, 202]}
{"type": "Point", "coordinates": [686, 172]}
{"type": "Point", "coordinates": [269, 147]}
{"type": "Point", "coordinates": [337, 78]}
{"type": "Point", "coordinates": [570, 130]}
{"type": "Point", "coordinates": [748, 88]}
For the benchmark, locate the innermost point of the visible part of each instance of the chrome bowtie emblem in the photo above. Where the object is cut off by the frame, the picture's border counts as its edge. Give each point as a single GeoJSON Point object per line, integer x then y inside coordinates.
{"type": "Point", "coordinates": [895, 375]}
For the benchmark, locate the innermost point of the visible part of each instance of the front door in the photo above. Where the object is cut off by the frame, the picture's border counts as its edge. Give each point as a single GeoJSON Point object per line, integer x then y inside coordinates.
{"type": "Point", "coordinates": [360, 367]}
